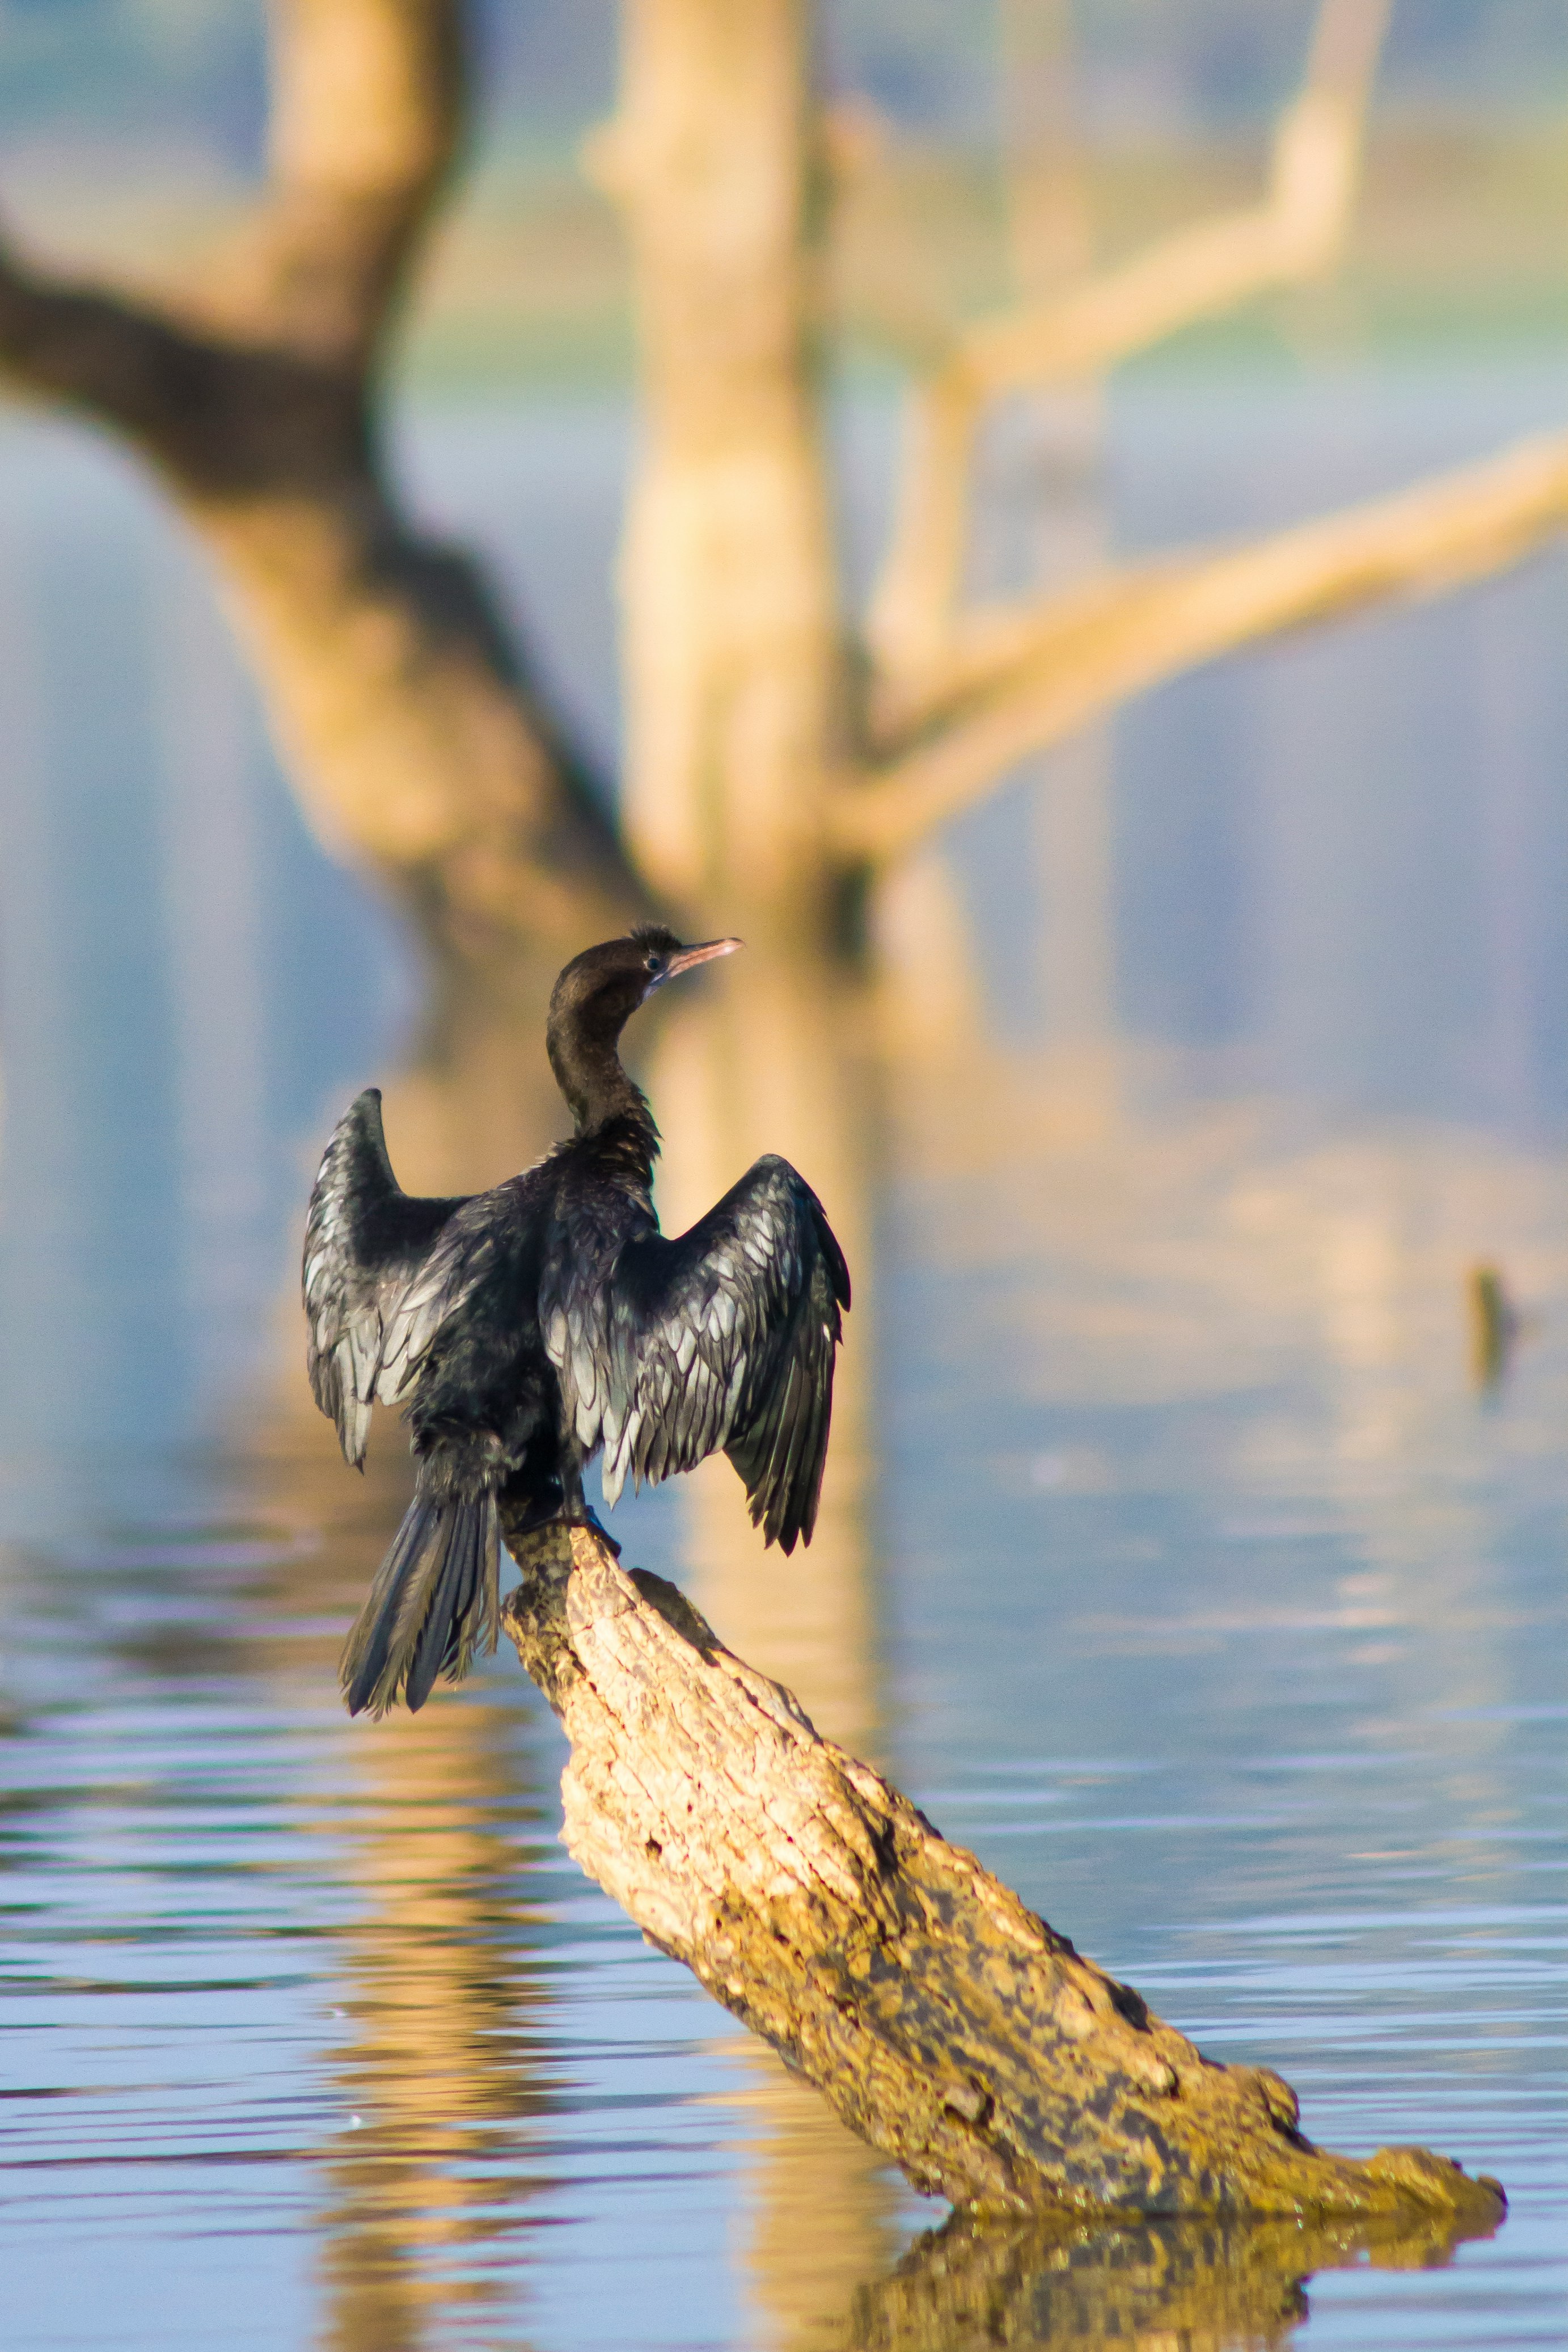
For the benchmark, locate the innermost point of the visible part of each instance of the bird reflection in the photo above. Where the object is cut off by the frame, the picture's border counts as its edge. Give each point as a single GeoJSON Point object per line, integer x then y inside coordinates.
{"type": "Point", "coordinates": [426, 1831]}
{"type": "Point", "coordinates": [437, 2068]}
{"type": "Point", "coordinates": [1208, 2286]}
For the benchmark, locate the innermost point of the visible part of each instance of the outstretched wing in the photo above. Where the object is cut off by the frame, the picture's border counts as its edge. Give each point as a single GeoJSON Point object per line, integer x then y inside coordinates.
{"type": "Point", "coordinates": [726, 1337]}
{"type": "Point", "coordinates": [366, 1244]}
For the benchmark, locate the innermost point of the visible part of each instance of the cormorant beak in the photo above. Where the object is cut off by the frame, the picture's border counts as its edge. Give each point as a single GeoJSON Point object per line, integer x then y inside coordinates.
{"type": "Point", "coordinates": [687, 958]}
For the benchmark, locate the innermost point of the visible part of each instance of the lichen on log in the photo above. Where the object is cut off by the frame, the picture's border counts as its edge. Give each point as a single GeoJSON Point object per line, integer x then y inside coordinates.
{"type": "Point", "coordinates": [943, 2020]}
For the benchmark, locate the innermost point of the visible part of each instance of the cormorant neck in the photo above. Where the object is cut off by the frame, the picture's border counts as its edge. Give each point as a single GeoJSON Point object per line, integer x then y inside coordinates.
{"type": "Point", "coordinates": [583, 1054]}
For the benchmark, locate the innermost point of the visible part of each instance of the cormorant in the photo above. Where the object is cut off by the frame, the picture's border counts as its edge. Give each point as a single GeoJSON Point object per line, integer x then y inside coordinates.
{"type": "Point", "coordinates": [527, 1328]}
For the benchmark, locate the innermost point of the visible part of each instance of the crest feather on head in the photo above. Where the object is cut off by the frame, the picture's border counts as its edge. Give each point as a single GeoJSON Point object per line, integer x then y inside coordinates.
{"type": "Point", "coordinates": [654, 935]}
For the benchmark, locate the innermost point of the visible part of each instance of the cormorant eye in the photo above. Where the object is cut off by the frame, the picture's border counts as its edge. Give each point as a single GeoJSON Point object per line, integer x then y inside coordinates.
{"type": "Point", "coordinates": [654, 959]}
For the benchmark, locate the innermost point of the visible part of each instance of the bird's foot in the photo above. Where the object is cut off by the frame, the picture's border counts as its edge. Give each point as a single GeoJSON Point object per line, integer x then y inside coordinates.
{"type": "Point", "coordinates": [589, 1518]}
{"type": "Point", "coordinates": [557, 1518]}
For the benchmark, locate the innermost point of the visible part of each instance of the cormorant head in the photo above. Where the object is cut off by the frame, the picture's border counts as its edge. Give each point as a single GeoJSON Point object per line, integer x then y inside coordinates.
{"type": "Point", "coordinates": [597, 994]}
{"type": "Point", "coordinates": [661, 956]}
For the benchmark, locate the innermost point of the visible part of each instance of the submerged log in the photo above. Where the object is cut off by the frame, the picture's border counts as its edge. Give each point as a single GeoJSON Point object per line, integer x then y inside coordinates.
{"type": "Point", "coordinates": [944, 2022]}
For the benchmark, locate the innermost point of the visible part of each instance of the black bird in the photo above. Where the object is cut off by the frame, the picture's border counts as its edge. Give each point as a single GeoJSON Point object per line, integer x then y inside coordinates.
{"type": "Point", "coordinates": [526, 1329]}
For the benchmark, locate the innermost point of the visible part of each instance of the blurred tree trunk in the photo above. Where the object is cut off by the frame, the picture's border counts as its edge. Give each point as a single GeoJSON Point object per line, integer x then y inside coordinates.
{"type": "Point", "coordinates": [729, 597]}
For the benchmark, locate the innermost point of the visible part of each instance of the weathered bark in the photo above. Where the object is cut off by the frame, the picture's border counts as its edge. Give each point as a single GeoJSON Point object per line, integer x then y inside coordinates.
{"type": "Point", "coordinates": [408, 724]}
{"type": "Point", "coordinates": [946, 2024]}
{"type": "Point", "coordinates": [728, 594]}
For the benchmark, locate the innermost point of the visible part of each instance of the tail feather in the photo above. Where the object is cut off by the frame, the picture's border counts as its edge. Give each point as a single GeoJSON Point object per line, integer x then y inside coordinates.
{"type": "Point", "coordinates": [436, 1599]}
{"type": "Point", "coordinates": [444, 1641]}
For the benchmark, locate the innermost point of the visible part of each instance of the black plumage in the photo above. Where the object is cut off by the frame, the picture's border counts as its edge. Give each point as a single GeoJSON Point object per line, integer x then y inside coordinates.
{"type": "Point", "coordinates": [525, 1330]}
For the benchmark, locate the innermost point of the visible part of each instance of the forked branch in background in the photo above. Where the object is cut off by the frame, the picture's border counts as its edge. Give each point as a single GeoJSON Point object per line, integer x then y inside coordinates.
{"type": "Point", "coordinates": [1025, 680]}
{"type": "Point", "coordinates": [1296, 233]}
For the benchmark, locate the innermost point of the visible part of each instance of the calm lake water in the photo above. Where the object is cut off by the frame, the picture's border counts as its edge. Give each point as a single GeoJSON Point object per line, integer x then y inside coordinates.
{"type": "Point", "coordinates": [1194, 1586]}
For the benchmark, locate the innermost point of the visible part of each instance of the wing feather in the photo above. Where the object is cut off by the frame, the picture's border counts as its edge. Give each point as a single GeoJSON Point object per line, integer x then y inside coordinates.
{"type": "Point", "coordinates": [669, 1350]}
{"type": "Point", "coordinates": [370, 1251]}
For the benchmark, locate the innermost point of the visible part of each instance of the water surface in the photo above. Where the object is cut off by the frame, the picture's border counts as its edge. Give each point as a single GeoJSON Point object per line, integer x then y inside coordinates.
{"type": "Point", "coordinates": [1197, 1588]}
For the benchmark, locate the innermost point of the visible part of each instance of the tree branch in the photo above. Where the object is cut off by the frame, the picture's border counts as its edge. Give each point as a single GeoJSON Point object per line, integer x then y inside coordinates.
{"type": "Point", "coordinates": [1023, 681]}
{"type": "Point", "coordinates": [407, 719]}
{"type": "Point", "coordinates": [1198, 272]}
{"type": "Point", "coordinates": [945, 2022]}
{"type": "Point", "coordinates": [220, 419]}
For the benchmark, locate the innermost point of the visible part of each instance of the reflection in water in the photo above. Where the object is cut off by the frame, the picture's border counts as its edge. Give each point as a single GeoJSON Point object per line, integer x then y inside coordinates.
{"type": "Point", "coordinates": [430, 1823]}
{"type": "Point", "coordinates": [819, 2213]}
{"type": "Point", "coordinates": [1219, 2286]}
{"type": "Point", "coordinates": [435, 2061]}
{"type": "Point", "coordinates": [436, 2065]}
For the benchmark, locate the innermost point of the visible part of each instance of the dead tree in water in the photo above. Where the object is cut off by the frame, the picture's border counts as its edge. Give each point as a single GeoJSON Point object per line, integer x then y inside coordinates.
{"type": "Point", "coordinates": [766, 771]}
{"type": "Point", "coordinates": [946, 2024]}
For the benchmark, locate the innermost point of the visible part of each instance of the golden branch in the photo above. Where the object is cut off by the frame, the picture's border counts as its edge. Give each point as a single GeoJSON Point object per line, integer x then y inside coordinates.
{"type": "Point", "coordinates": [1027, 680]}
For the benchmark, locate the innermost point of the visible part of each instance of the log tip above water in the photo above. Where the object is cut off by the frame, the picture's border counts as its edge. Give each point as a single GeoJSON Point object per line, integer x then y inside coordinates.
{"type": "Point", "coordinates": [1439, 2185]}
